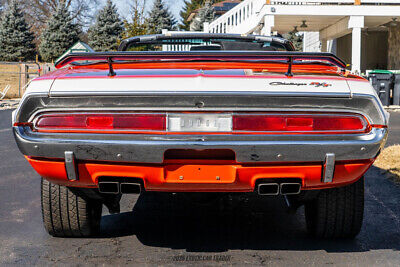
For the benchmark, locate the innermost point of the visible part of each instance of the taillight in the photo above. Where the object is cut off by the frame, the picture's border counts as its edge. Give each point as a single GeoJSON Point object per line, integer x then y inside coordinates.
{"type": "Point", "coordinates": [299, 123]}
{"type": "Point", "coordinates": [204, 123]}
{"type": "Point", "coordinates": [124, 122]}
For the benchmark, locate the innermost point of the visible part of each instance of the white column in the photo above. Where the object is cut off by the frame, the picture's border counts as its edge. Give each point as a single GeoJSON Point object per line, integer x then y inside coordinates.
{"type": "Point", "coordinates": [165, 47]}
{"type": "Point", "coordinates": [269, 23]}
{"type": "Point", "coordinates": [305, 41]}
{"type": "Point", "coordinates": [356, 50]}
{"type": "Point", "coordinates": [206, 27]}
{"type": "Point", "coordinates": [356, 23]}
{"type": "Point", "coordinates": [324, 45]}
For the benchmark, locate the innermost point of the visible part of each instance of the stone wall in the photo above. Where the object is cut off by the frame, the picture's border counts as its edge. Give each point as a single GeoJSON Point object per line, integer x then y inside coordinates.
{"type": "Point", "coordinates": [394, 48]}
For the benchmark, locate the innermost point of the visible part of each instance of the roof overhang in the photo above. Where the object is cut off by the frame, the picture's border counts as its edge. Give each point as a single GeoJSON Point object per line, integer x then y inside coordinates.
{"type": "Point", "coordinates": [321, 17]}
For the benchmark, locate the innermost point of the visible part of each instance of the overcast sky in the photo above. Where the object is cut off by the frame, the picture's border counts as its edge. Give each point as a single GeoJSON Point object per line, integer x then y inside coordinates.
{"type": "Point", "coordinates": [174, 5]}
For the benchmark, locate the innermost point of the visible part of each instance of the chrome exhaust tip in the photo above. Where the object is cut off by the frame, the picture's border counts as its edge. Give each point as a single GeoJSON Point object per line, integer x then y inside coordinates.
{"type": "Point", "coordinates": [290, 188]}
{"type": "Point", "coordinates": [268, 189]}
{"type": "Point", "coordinates": [130, 188]}
{"type": "Point", "coordinates": [109, 187]}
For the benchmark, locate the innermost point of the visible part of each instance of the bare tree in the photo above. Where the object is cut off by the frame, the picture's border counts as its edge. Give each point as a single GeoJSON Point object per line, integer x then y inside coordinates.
{"type": "Point", "coordinates": [136, 25]}
{"type": "Point", "coordinates": [2, 5]}
{"type": "Point", "coordinates": [137, 8]}
{"type": "Point", "coordinates": [39, 11]}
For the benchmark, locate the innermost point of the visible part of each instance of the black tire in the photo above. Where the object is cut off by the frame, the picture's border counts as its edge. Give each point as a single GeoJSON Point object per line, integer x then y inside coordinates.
{"type": "Point", "coordinates": [336, 212]}
{"type": "Point", "coordinates": [67, 213]}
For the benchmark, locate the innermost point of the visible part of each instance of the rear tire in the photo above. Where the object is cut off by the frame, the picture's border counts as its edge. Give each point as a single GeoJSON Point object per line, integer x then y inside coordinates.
{"type": "Point", "coordinates": [67, 213]}
{"type": "Point", "coordinates": [336, 212]}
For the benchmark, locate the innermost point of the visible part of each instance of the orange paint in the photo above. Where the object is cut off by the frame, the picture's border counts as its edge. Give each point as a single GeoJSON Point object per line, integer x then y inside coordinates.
{"type": "Point", "coordinates": [201, 175]}
{"type": "Point", "coordinates": [264, 69]}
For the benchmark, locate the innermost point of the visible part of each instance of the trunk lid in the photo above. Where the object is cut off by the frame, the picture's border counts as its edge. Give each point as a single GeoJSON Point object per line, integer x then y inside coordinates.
{"type": "Point", "coordinates": [192, 81]}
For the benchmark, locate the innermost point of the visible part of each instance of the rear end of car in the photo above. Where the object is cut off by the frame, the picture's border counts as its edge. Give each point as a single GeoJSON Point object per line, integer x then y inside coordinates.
{"type": "Point", "coordinates": [224, 123]}
{"type": "Point", "coordinates": [188, 148]}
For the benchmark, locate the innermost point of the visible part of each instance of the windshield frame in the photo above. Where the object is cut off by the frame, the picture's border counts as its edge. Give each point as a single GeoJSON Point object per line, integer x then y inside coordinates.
{"type": "Point", "coordinates": [167, 39]}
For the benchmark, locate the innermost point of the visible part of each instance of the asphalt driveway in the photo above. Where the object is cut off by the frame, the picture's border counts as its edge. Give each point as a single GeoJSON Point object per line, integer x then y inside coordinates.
{"type": "Point", "coordinates": [171, 230]}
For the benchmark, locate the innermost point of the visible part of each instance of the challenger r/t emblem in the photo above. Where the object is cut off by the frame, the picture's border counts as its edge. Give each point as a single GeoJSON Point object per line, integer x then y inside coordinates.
{"type": "Point", "coordinates": [316, 84]}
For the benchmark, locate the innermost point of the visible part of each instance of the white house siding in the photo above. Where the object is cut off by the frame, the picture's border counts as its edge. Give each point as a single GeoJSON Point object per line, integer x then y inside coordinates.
{"type": "Point", "coordinates": [394, 48]}
{"type": "Point", "coordinates": [311, 42]}
{"type": "Point", "coordinates": [374, 50]}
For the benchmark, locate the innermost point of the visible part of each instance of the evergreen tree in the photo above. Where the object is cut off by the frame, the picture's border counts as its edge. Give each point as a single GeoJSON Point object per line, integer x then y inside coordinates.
{"type": "Point", "coordinates": [60, 34]}
{"type": "Point", "coordinates": [2, 6]}
{"type": "Point", "coordinates": [134, 28]}
{"type": "Point", "coordinates": [160, 18]}
{"type": "Point", "coordinates": [189, 7]}
{"type": "Point", "coordinates": [16, 39]}
{"type": "Point", "coordinates": [296, 38]}
{"type": "Point", "coordinates": [106, 32]}
{"type": "Point", "coordinates": [205, 14]}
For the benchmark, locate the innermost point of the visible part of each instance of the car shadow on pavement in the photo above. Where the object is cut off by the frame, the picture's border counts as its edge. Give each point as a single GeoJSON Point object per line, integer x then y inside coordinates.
{"type": "Point", "coordinates": [238, 222]}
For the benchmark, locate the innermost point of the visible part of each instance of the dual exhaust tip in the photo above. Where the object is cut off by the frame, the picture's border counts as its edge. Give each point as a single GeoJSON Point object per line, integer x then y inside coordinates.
{"type": "Point", "coordinates": [266, 189]}
{"type": "Point", "coordinates": [274, 189]}
{"type": "Point", "coordinates": [117, 187]}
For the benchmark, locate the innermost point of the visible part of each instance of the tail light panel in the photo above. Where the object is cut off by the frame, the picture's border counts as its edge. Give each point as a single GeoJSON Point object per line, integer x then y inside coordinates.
{"type": "Point", "coordinates": [101, 122]}
{"type": "Point", "coordinates": [204, 123]}
{"type": "Point", "coordinates": [300, 123]}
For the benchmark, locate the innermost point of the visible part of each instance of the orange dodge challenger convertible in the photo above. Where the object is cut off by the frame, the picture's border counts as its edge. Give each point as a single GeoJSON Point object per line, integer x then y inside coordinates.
{"type": "Point", "coordinates": [222, 113]}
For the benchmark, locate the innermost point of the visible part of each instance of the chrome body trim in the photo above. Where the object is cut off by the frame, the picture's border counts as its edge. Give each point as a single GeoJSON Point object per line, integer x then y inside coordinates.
{"type": "Point", "coordinates": [366, 105]}
{"type": "Point", "coordinates": [34, 120]}
{"type": "Point", "coordinates": [329, 168]}
{"type": "Point", "coordinates": [147, 148]}
{"type": "Point", "coordinates": [201, 93]}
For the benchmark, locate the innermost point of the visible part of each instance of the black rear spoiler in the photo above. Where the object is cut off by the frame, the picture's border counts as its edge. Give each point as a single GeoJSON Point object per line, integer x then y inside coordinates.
{"type": "Point", "coordinates": [112, 58]}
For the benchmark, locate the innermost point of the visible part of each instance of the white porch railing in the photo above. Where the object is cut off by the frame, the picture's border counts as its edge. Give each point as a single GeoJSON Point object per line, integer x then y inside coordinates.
{"type": "Point", "coordinates": [239, 19]}
{"type": "Point", "coordinates": [333, 2]}
{"type": "Point", "coordinates": [175, 47]}
{"type": "Point", "coordinates": [247, 16]}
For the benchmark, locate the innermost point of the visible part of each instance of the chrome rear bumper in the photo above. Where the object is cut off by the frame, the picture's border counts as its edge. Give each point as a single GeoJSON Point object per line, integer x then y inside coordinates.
{"type": "Point", "coordinates": [248, 148]}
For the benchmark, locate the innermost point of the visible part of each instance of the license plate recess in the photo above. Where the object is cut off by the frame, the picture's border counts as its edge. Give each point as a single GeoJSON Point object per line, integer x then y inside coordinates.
{"type": "Point", "coordinates": [200, 173]}
{"type": "Point", "coordinates": [199, 122]}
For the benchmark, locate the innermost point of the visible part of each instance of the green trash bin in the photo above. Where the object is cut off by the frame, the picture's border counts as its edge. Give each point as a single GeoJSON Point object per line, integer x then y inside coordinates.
{"type": "Point", "coordinates": [382, 81]}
